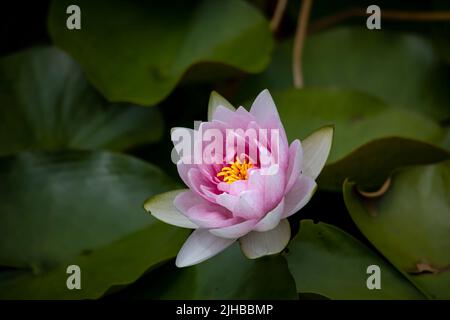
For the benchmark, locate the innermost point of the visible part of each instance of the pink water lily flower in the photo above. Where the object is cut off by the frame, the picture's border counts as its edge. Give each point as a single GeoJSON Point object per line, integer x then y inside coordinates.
{"type": "Point", "coordinates": [240, 196]}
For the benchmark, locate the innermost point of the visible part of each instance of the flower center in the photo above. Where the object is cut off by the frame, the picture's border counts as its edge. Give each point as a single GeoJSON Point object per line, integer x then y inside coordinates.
{"type": "Point", "coordinates": [235, 171]}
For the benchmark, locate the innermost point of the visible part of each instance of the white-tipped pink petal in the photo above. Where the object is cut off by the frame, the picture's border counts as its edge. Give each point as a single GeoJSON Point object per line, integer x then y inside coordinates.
{"type": "Point", "coordinates": [237, 187]}
{"type": "Point", "coordinates": [265, 111]}
{"type": "Point", "coordinates": [235, 231]}
{"type": "Point", "coordinates": [249, 205]}
{"type": "Point", "coordinates": [300, 194]}
{"type": "Point", "coordinates": [271, 219]}
{"type": "Point", "coordinates": [258, 244]}
{"type": "Point", "coordinates": [162, 207]}
{"type": "Point", "coordinates": [316, 148]}
{"type": "Point", "coordinates": [201, 185]}
{"type": "Point", "coordinates": [223, 114]}
{"type": "Point", "coordinates": [202, 213]}
{"type": "Point", "coordinates": [295, 164]}
{"type": "Point", "coordinates": [234, 119]}
{"type": "Point", "coordinates": [201, 245]}
{"type": "Point", "coordinates": [180, 137]}
{"type": "Point", "coordinates": [227, 200]}
{"type": "Point", "coordinates": [273, 186]}
{"type": "Point", "coordinates": [209, 215]}
{"type": "Point", "coordinates": [270, 187]}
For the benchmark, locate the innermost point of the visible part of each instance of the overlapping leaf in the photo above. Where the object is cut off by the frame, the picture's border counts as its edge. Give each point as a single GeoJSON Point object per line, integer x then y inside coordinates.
{"type": "Point", "coordinates": [402, 69]}
{"type": "Point", "coordinates": [227, 276]}
{"type": "Point", "coordinates": [410, 224]}
{"type": "Point", "coordinates": [137, 52]}
{"type": "Point", "coordinates": [56, 206]}
{"type": "Point", "coordinates": [370, 138]}
{"type": "Point", "coordinates": [325, 260]}
{"type": "Point", "coordinates": [46, 103]}
{"type": "Point", "coordinates": [119, 263]}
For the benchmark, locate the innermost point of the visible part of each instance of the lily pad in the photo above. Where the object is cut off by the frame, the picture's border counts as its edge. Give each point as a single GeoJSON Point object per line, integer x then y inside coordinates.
{"type": "Point", "coordinates": [410, 224]}
{"type": "Point", "coordinates": [229, 275]}
{"type": "Point", "coordinates": [402, 69]}
{"type": "Point", "coordinates": [55, 206]}
{"type": "Point", "coordinates": [119, 263]}
{"type": "Point", "coordinates": [46, 103]}
{"type": "Point", "coordinates": [370, 138]}
{"type": "Point", "coordinates": [137, 52]}
{"type": "Point", "coordinates": [372, 163]}
{"type": "Point", "coordinates": [326, 260]}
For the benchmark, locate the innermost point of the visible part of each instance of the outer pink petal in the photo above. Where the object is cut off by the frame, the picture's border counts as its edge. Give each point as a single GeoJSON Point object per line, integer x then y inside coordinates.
{"type": "Point", "coordinates": [247, 205]}
{"type": "Point", "coordinates": [300, 194]}
{"type": "Point", "coordinates": [183, 169]}
{"type": "Point", "coordinates": [197, 180]}
{"type": "Point", "coordinates": [222, 114]}
{"type": "Point", "coordinates": [238, 187]}
{"type": "Point", "coordinates": [295, 164]}
{"type": "Point", "coordinates": [227, 200]}
{"type": "Point", "coordinates": [234, 119]}
{"type": "Point", "coordinates": [210, 216]}
{"type": "Point", "coordinates": [200, 246]}
{"type": "Point", "coordinates": [272, 218]}
{"type": "Point", "coordinates": [269, 187]}
{"type": "Point", "coordinates": [187, 162]}
{"type": "Point", "coordinates": [186, 200]}
{"type": "Point", "coordinates": [273, 189]}
{"type": "Point", "coordinates": [234, 231]}
{"type": "Point", "coordinates": [265, 111]}
{"type": "Point", "coordinates": [201, 212]}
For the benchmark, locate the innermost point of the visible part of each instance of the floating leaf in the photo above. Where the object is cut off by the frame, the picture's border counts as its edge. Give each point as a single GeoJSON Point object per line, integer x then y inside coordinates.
{"type": "Point", "coordinates": [116, 264]}
{"type": "Point", "coordinates": [400, 68]}
{"type": "Point", "coordinates": [56, 206]}
{"type": "Point", "coordinates": [326, 260]}
{"type": "Point", "coordinates": [372, 163]}
{"type": "Point", "coordinates": [137, 52]}
{"type": "Point", "coordinates": [370, 138]}
{"type": "Point", "coordinates": [46, 103]}
{"type": "Point", "coordinates": [229, 275]}
{"type": "Point", "coordinates": [410, 224]}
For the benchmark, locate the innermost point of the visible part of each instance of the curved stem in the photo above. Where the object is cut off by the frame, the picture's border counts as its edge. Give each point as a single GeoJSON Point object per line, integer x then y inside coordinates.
{"type": "Point", "coordinates": [394, 15]}
{"type": "Point", "coordinates": [302, 24]}
{"type": "Point", "coordinates": [278, 15]}
{"type": "Point", "coordinates": [378, 193]}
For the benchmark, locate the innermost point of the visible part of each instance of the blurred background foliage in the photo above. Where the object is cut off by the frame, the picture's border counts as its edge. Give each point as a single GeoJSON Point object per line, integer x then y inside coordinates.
{"type": "Point", "coordinates": [85, 117]}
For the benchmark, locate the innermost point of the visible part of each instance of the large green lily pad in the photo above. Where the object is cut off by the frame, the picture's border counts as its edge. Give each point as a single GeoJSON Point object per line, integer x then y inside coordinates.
{"type": "Point", "coordinates": [410, 224]}
{"type": "Point", "coordinates": [402, 69]}
{"type": "Point", "coordinates": [229, 275]}
{"type": "Point", "coordinates": [370, 138]}
{"type": "Point", "coordinates": [137, 51]}
{"type": "Point", "coordinates": [326, 260]}
{"type": "Point", "coordinates": [106, 268]}
{"type": "Point", "coordinates": [372, 163]}
{"type": "Point", "coordinates": [46, 103]}
{"type": "Point", "coordinates": [56, 206]}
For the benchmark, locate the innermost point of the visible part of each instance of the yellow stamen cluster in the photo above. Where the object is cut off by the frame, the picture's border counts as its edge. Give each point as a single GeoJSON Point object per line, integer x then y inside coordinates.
{"type": "Point", "coordinates": [235, 171]}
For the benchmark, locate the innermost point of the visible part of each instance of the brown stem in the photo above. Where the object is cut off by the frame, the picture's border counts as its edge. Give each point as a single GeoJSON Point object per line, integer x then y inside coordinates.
{"type": "Point", "coordinates": [396, 15]}
{"type": "Point", "coordinates": [300, 33]}
{"type": "Point", "coordinates": [378, 193]}
{"type": "Point", "coordinates": [277, 15]}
